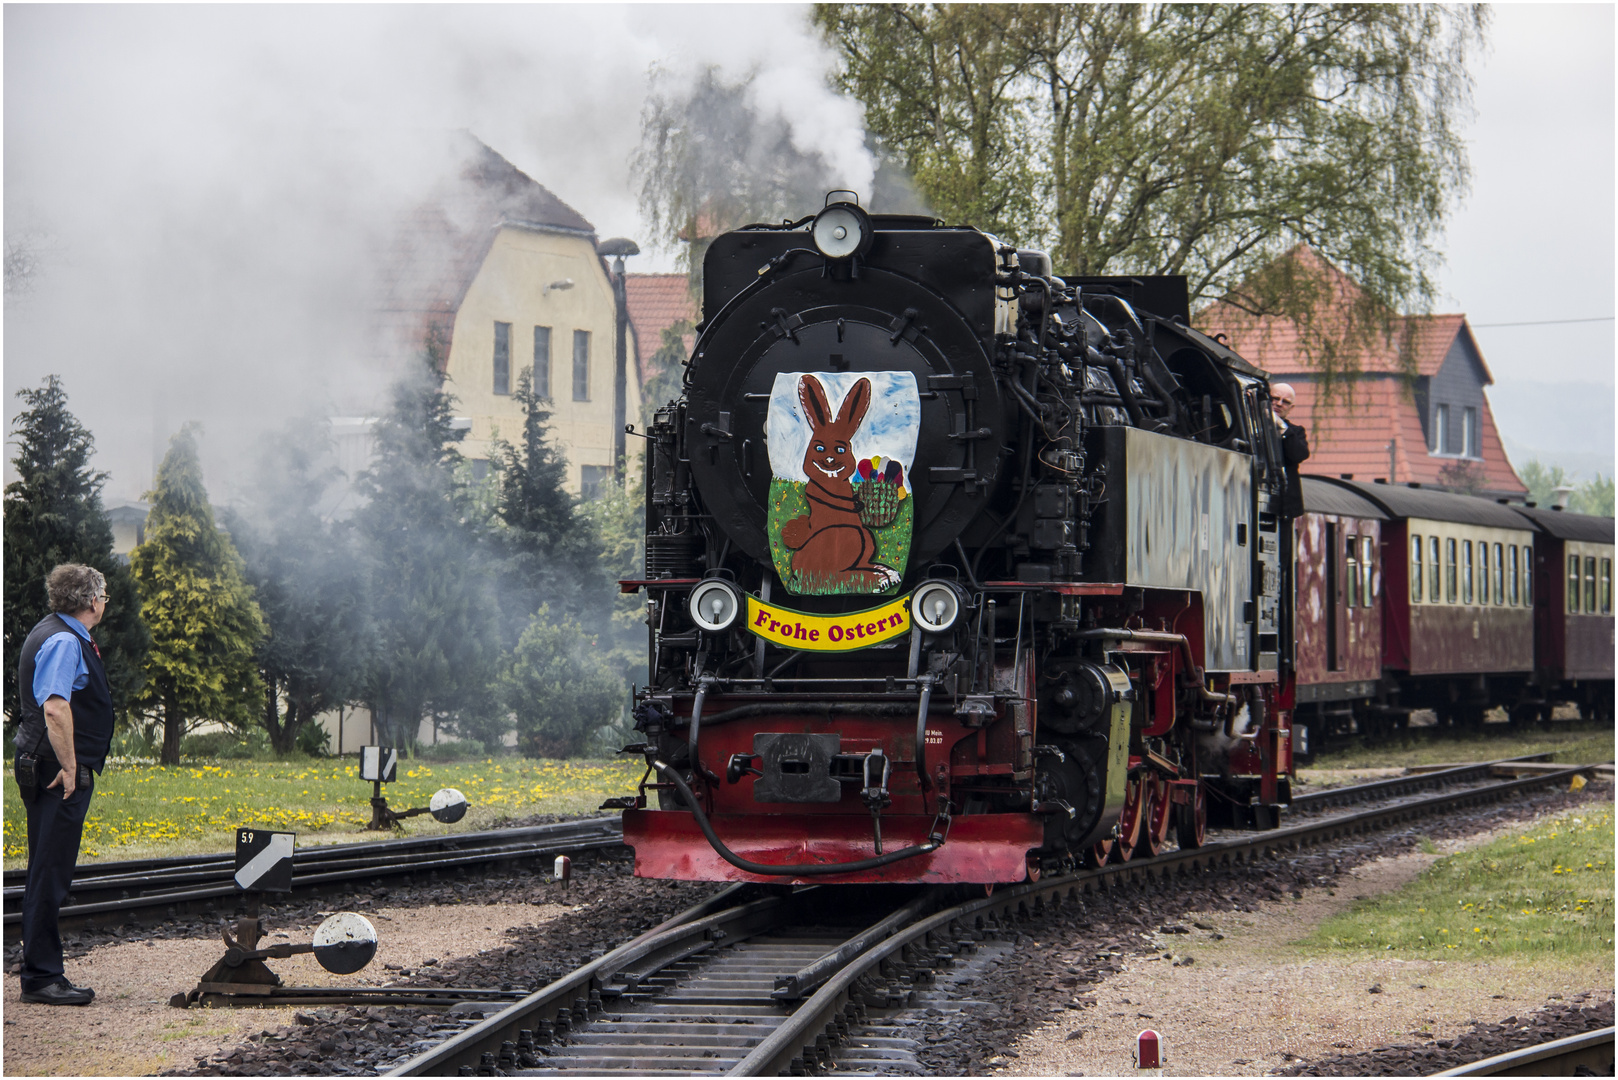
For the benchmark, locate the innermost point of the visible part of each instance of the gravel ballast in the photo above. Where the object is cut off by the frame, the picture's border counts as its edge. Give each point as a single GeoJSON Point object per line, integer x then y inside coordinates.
{"type": "Point", "coordinates": [520, 931]}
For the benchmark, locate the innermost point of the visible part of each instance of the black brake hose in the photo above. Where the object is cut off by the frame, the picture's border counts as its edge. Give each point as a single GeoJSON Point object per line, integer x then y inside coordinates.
{"type": "Point", "coordinates": [774, 870]}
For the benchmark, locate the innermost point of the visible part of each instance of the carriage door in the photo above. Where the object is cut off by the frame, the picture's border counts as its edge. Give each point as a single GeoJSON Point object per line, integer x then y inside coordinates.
{"type": "Point", "coordinates": [1336, 616]}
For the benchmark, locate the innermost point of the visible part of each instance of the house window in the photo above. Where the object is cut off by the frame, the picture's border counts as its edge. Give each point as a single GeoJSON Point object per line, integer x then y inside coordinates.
{"type": "Point", "coordinates": [1466, 571]}
{"type": "Point", "coordinates": [1367, 565]}
{"type": "Point", "coordinates": [1483, 571]}
{"type": "Point", "coordinates": [581, 365]}
{"type": "Point", "coordinates": [1469, 432]}
{"type": "Point", "coordinates": [1441, 429]}
{"type": "Point", "coordinates": [1353, 572]}
{"type": "Point", "coordinates": [1515, 594]}
{"type": "Point", "coordinates": [1415, 569]}
{"type": "Point", "coordinates": [542, 362]}
{"type": "Point", "coordinates": [1590, 585]}
{"type": "Point", "coordinates": [591, 477]}
{"type": "Point", "coordinates": [1606, 586]}
{"type": "Point", "coordinates": [1573, 584]}
{"type": "Point", "coordinates": [1499, 574]}
{"type": "Point", "coordinates": [502, 358]}
{"type": "Point", "coordinates": [1433, 564]}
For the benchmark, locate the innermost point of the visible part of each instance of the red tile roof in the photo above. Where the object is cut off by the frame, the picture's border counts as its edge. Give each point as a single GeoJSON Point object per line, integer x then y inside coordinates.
{"type": "Point", "coordinates": [1351, 435]}
{"type": "Point", "coordinates": [1275, 344]}
{"type": "Point", "coordinates": [656, 302]}
{"type": "Point", "coordinates": [1351, 432]}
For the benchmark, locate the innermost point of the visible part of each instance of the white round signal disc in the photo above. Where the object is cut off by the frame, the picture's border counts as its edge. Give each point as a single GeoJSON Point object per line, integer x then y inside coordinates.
{"type": "Point", "coordinates": [935, 607]}
{"type": "Point", "coordinates": [345, 942]}
{"type": "Point", "coordinates": [715, 605]}
{"type": "Point", "coordinates": [839, 231]}
{"type": "Point", "coordinates": [447, 805]}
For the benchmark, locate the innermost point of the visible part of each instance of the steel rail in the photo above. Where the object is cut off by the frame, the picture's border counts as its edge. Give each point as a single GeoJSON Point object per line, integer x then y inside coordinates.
{"type": "Point", "coordinates": [1402, 785]}
{"type": "Point", "coordinates": [1593, 1050]}
{"type": "Point", "coordinates": [365, 866]}
{"type": "Point", "coordinates": [795, 1039]}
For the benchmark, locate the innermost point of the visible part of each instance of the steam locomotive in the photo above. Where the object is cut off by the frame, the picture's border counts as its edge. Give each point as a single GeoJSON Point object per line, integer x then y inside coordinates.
{"type": "Point", "coordinates": [956, 571]}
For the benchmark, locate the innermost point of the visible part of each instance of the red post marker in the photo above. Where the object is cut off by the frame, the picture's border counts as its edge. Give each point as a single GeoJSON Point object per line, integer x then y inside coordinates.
{"type": "Point", "coordinates": [1148, 1052]}
{"type": "Point", "coordinates": [564, 869]}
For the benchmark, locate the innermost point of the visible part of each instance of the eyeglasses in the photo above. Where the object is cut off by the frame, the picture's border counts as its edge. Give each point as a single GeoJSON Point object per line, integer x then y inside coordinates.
{"type": "Point", "coordinates": [1284, 401]}
{"type": "Point", "coordinates": [102, 598]}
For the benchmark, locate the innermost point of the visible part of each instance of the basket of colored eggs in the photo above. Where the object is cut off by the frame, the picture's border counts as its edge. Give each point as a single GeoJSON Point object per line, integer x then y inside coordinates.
{"type": "Point", "coordinates": [878, 490]}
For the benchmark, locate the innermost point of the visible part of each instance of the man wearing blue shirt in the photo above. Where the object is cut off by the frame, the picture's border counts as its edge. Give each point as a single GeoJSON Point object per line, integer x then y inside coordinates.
{"type": "Point", "coordinates": [66, 730]}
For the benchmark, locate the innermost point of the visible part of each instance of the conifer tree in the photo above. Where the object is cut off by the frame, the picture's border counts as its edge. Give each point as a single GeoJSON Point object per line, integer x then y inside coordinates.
{"type": "Point", "coordinates": [437, 642]}
{"type": "Point", "coordinates": [53, 515]}
{"type": "Point", "coordinates": [550, 549]}
{"type": "Point", "coordinates": [308, 579]}
{"type": "Point", "coordinates": [205, 623]}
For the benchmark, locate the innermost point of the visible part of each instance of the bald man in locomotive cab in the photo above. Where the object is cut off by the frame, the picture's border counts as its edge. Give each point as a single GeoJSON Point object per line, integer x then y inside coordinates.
{"type": "Point", "coordinates": [1294, 446]}
{"type": "Point", "coordinates": [66, 731]}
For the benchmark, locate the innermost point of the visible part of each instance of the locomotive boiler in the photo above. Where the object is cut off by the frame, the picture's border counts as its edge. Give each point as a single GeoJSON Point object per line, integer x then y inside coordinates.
{"type": "Point", "coordinates": [956, 571]}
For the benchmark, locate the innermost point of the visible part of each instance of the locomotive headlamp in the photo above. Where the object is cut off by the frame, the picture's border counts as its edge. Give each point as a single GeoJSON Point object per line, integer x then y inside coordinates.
{"type": "Point", "coordinates": [715, 605]}
{"type": "Point", "coordinates": [936, 606]}
{"type": "Point", "coordinates": [841, 230]}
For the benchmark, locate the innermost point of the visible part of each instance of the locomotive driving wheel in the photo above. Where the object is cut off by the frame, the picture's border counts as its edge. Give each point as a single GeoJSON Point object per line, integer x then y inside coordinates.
{"type": "Point", "coordinates": [1157, 815]}
{"type": "Point", "coordinates": [1100, 852]}
{"type": "Point", "coordinates": [1191, 820]}
{"type": "Point", "coordinates": [1131, 820]}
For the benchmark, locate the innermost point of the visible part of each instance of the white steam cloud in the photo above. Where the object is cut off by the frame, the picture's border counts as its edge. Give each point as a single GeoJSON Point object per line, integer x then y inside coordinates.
{"type": "Point", "coordinates": [197, 196]}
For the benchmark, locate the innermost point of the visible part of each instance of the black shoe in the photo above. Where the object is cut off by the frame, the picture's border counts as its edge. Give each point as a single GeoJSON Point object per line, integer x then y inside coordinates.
{"type": "Point", "coordinates": [61, 992]}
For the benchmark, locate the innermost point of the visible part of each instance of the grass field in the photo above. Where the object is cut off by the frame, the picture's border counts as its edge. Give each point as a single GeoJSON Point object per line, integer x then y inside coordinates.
{"type": "Point", "coordinates": [1546, 889]}
{"type": "Point", "coordinates": [142, 810]}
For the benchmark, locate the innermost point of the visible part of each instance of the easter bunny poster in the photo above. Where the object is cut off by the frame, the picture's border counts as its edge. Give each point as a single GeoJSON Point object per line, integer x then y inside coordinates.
{"type": "Point", "coordinates": [841, 508]}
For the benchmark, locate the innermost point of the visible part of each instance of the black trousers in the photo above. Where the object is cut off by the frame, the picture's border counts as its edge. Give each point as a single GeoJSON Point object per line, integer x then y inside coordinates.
{"type": "Point", "coordinates": [55, 826]}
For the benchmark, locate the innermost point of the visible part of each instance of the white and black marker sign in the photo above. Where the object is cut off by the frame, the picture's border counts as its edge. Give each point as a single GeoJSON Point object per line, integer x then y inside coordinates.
{"type": "Point", "coordinates": [379, 763]}
{"type": "Point", "coordinates": [447, 805]}
{"type": "Point", "coordinates": [345, 942]}
{"type": "Point", "coordinates": [264, 860]}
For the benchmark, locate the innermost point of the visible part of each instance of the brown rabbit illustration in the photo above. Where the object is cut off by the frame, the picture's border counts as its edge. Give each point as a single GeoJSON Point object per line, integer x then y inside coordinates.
{"type": "Point", "coordinates": [832, 549]}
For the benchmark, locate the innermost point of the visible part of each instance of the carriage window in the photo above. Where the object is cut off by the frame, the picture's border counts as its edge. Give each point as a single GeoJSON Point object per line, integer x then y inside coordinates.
{"type": "Point", "coordinates": [1483, 571]}
{"type": "Point", "coordinates": [1515, 595]}
{"type": "Point", "coordinates": [1466, 571]}
{"type": "Point", "coordinates": [1499, 574]}
{"type": "Point", "coordinates": [1573, 584]}
{"type": "Point", "coordinates": [1452, 572]}
{"type": "Point", "coordinates": [1590, 585]}
{"type": "Point", "coordinates": [1415, 569]}
{"type": "Point", "coordinates": [1432, 569]}
{"type": "Point", "coordinates": [1367, 567]}
{"type": "Point", "coordinates": [1352, 574]}
{"type": "Point", "coordinates": [1606, 586]}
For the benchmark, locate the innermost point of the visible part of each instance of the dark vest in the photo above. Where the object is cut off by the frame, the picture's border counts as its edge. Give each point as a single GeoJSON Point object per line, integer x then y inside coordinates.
{"type": "Point", "coordinates": [92, 706]}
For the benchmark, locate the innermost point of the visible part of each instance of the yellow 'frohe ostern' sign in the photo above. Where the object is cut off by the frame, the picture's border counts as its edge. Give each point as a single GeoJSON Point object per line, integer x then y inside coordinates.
{"type": "Point", "coordinates": [828, 633]}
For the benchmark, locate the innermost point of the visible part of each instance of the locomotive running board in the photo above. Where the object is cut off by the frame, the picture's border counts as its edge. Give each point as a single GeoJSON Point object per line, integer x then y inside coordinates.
{"type": "Point", "coordinates": [981, 848]}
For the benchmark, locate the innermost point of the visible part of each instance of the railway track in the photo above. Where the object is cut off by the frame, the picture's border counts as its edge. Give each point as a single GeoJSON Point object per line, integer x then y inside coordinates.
{"type": "Point", "coordinates": [122, 892]}
{"type": "Point", "coordinates": [1397, 786]}
{"type": "Point", "coordinates": [1592, 1051]}
{"type": "Point", "coordinates": [716, 990]}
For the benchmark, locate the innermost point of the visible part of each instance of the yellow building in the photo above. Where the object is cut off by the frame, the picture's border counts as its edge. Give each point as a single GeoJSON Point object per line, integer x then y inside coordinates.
{"type": "Point", "coordinates": [497, 275]}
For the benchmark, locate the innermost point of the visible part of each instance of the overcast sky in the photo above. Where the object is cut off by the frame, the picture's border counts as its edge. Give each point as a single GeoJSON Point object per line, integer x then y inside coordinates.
{"type": "Point", "coordinates": [201, 184]}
